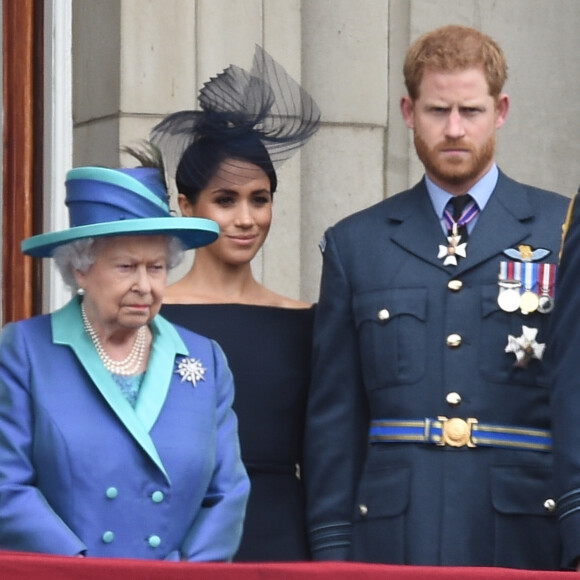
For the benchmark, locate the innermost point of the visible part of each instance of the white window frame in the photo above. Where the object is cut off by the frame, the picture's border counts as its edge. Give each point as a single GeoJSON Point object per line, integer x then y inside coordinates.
{"type": "Point", "coordinates": [58, 137]}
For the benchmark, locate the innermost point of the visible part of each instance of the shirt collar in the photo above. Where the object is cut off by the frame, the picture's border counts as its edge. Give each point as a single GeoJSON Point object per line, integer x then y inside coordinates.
{"type": "Point", "coordinates": [480, 192]}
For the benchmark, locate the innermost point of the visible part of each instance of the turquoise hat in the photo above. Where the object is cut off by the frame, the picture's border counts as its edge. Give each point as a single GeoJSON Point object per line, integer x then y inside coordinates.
{"type": "Point", "coordinates": [114, 202]}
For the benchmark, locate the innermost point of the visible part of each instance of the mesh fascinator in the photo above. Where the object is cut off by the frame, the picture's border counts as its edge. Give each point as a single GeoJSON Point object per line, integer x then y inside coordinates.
{"type": "Point", "coordinates": [262, 116]}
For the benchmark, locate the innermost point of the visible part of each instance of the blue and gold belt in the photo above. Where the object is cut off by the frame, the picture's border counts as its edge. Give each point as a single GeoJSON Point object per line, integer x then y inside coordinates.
{"type": "Point", "coordinates": [456, 432]}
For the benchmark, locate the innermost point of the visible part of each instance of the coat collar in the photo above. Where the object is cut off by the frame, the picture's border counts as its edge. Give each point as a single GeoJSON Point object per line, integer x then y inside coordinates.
{"type": "Point", "coordinates": [502, 224]}
{"type": "Point", "coordinates": [67, 329]}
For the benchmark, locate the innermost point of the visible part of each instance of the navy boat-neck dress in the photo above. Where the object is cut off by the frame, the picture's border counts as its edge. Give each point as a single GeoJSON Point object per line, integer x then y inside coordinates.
{"type": "Point", "coordinates": [268, 350]}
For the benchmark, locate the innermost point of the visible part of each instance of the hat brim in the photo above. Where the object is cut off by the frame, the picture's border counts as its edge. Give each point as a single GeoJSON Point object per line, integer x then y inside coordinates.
{"type": "Point", "coordinates": [193, 233]}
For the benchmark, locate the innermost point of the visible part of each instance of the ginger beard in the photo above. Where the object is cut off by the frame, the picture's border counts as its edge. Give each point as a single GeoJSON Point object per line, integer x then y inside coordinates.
{"type": "Point", "coordinates": [455, 170]}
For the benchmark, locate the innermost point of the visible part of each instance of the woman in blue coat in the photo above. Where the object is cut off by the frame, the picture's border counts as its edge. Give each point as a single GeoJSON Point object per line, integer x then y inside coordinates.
{"type": "Point", "coordinates": [117, 435]}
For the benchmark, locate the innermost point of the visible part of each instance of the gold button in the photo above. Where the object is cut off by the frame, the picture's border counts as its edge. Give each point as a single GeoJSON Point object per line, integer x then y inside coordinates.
{"type": "Point", "coordinates": [550, 505]}
{"type": "Point", "coordinates": [454, 340]}
{"type": "Point", "coordinates": [455, 285]}
{"type": "Point", "coordinates": [363, 509]}
{"type": "Point", "coordinates": [384, 314]}
{"type": "Point", "coordinates": [453, 399]}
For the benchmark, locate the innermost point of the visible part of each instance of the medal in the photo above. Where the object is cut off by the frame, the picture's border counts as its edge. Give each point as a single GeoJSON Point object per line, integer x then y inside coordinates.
{"type": "Point", "coordinates": [508, 298]}
{"type": "Point", "coordinates": [525, 347]}
{"type": "Point", "coordinates": [529, 302]}
{"type": "Point", "coordinates": [455, 249]}
{"type": "Point", "coordinates": [450, 253]}
{"type": "Point", "coordinates": [526, 285]}
{"type": "Point", "coordinates": [545, 304]}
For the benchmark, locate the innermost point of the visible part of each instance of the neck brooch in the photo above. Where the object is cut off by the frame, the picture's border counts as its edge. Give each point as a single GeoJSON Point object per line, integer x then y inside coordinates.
{"type": "Point", "coordinates": [128, 366]}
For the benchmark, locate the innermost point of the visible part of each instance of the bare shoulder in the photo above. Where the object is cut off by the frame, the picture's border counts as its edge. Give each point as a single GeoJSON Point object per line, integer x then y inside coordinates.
{"type": "Point", "coordinates": [183, 293]}
{"type": "Point", "coordinates": [179, 293]}
{"type": "Point", "coordinates": [298, 304]}
{"type": "Point", "coordinates": [273, 299]}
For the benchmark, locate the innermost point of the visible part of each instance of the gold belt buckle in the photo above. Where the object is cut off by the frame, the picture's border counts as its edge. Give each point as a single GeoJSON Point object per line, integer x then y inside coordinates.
{"type": "Point", "coordinates": [456, 432]}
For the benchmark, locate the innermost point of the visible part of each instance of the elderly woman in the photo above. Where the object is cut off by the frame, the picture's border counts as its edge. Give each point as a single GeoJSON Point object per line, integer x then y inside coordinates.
{"type": "Point", "coordinates": [117, 435]}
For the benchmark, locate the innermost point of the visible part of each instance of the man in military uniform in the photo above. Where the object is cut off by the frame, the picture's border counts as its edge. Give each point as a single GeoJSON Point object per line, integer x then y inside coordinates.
{"type": "Point", "coordinates": [562, 360]}
{"type": "Point", "coordinates": [428, 430]}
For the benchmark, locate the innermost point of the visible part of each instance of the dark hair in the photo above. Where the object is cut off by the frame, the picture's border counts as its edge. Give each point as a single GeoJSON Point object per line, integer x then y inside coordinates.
{"type": "Point", "coordinates": [202, 159]}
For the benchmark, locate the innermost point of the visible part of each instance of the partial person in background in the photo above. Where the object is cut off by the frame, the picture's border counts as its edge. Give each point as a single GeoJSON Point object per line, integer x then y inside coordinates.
{"type": "Point", "coordinates": [117, 434]}
{"type": "Point", "coordinates": [225, 156]}
{"type": "Point", "coordinates": [428, 431]}
{"type": "Point", "coordinates": [562, 359]}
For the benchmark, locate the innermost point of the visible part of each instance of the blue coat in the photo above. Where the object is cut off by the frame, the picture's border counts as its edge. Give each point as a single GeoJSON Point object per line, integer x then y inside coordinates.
{"type": "Point", "coordinates": [81, 470]}
{"type": "Point", "coordinates": [387, 308]}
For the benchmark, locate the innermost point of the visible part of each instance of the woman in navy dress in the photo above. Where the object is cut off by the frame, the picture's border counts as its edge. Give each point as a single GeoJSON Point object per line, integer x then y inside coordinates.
{"type": "Point", "coordinates": [225, 157]}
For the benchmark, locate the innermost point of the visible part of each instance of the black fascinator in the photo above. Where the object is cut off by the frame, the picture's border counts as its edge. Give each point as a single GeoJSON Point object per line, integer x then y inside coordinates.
{"type": "Point", "coordinates": [262, 116]}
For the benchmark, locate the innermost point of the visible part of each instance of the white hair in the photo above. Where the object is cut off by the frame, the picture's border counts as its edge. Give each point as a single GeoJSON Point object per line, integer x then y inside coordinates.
{"type": "Point", "coordinates": [81, 255]}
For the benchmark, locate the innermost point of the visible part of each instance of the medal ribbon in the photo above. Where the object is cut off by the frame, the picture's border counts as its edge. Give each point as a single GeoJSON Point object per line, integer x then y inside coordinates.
{"type": "Point", "coordinates": [530, 276]}
{"type": "Point", "coordinates": [503, 271]}
{"type": "Point", "coordinates": [517, 273]}
{"type": "Point", "coordinates": [548, 278]}
{"type": "Point", "coordinates": [470, 211]}
{"type": "Point", "coordinates": [511, 274]}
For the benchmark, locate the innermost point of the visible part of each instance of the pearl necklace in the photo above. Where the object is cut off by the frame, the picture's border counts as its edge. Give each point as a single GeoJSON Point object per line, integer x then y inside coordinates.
{"type": "Point", "coordinates": [125, 367]}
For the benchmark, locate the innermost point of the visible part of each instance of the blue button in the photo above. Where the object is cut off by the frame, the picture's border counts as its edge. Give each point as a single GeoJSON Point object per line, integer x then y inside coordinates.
{"type": "Point", "coordinates": [154, 541]}
{"type": "Point", "coordinates": [157, 496]}
{"type": "Point", "coordinates": [108, 537]}
{"type": "Point", "coordinates": [112, 492]}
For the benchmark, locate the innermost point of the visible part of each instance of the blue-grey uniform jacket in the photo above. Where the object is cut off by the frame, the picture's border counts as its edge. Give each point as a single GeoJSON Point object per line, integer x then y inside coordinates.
{"type": "Point", "coordinates": [563, 360]}
{"type": "Point", "coordinates": [81, 471]}
{"type": "Point", "coordinates": [402, 340]}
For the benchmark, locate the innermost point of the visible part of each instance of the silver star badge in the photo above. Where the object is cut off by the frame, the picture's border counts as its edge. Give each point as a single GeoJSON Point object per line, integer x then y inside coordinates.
{"type": "Point", "coordinates": [191, 369]}
{"type": "Point", "coordinates": [525, 347]}
{"type": "Point", "coordinates": [450, 253]}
